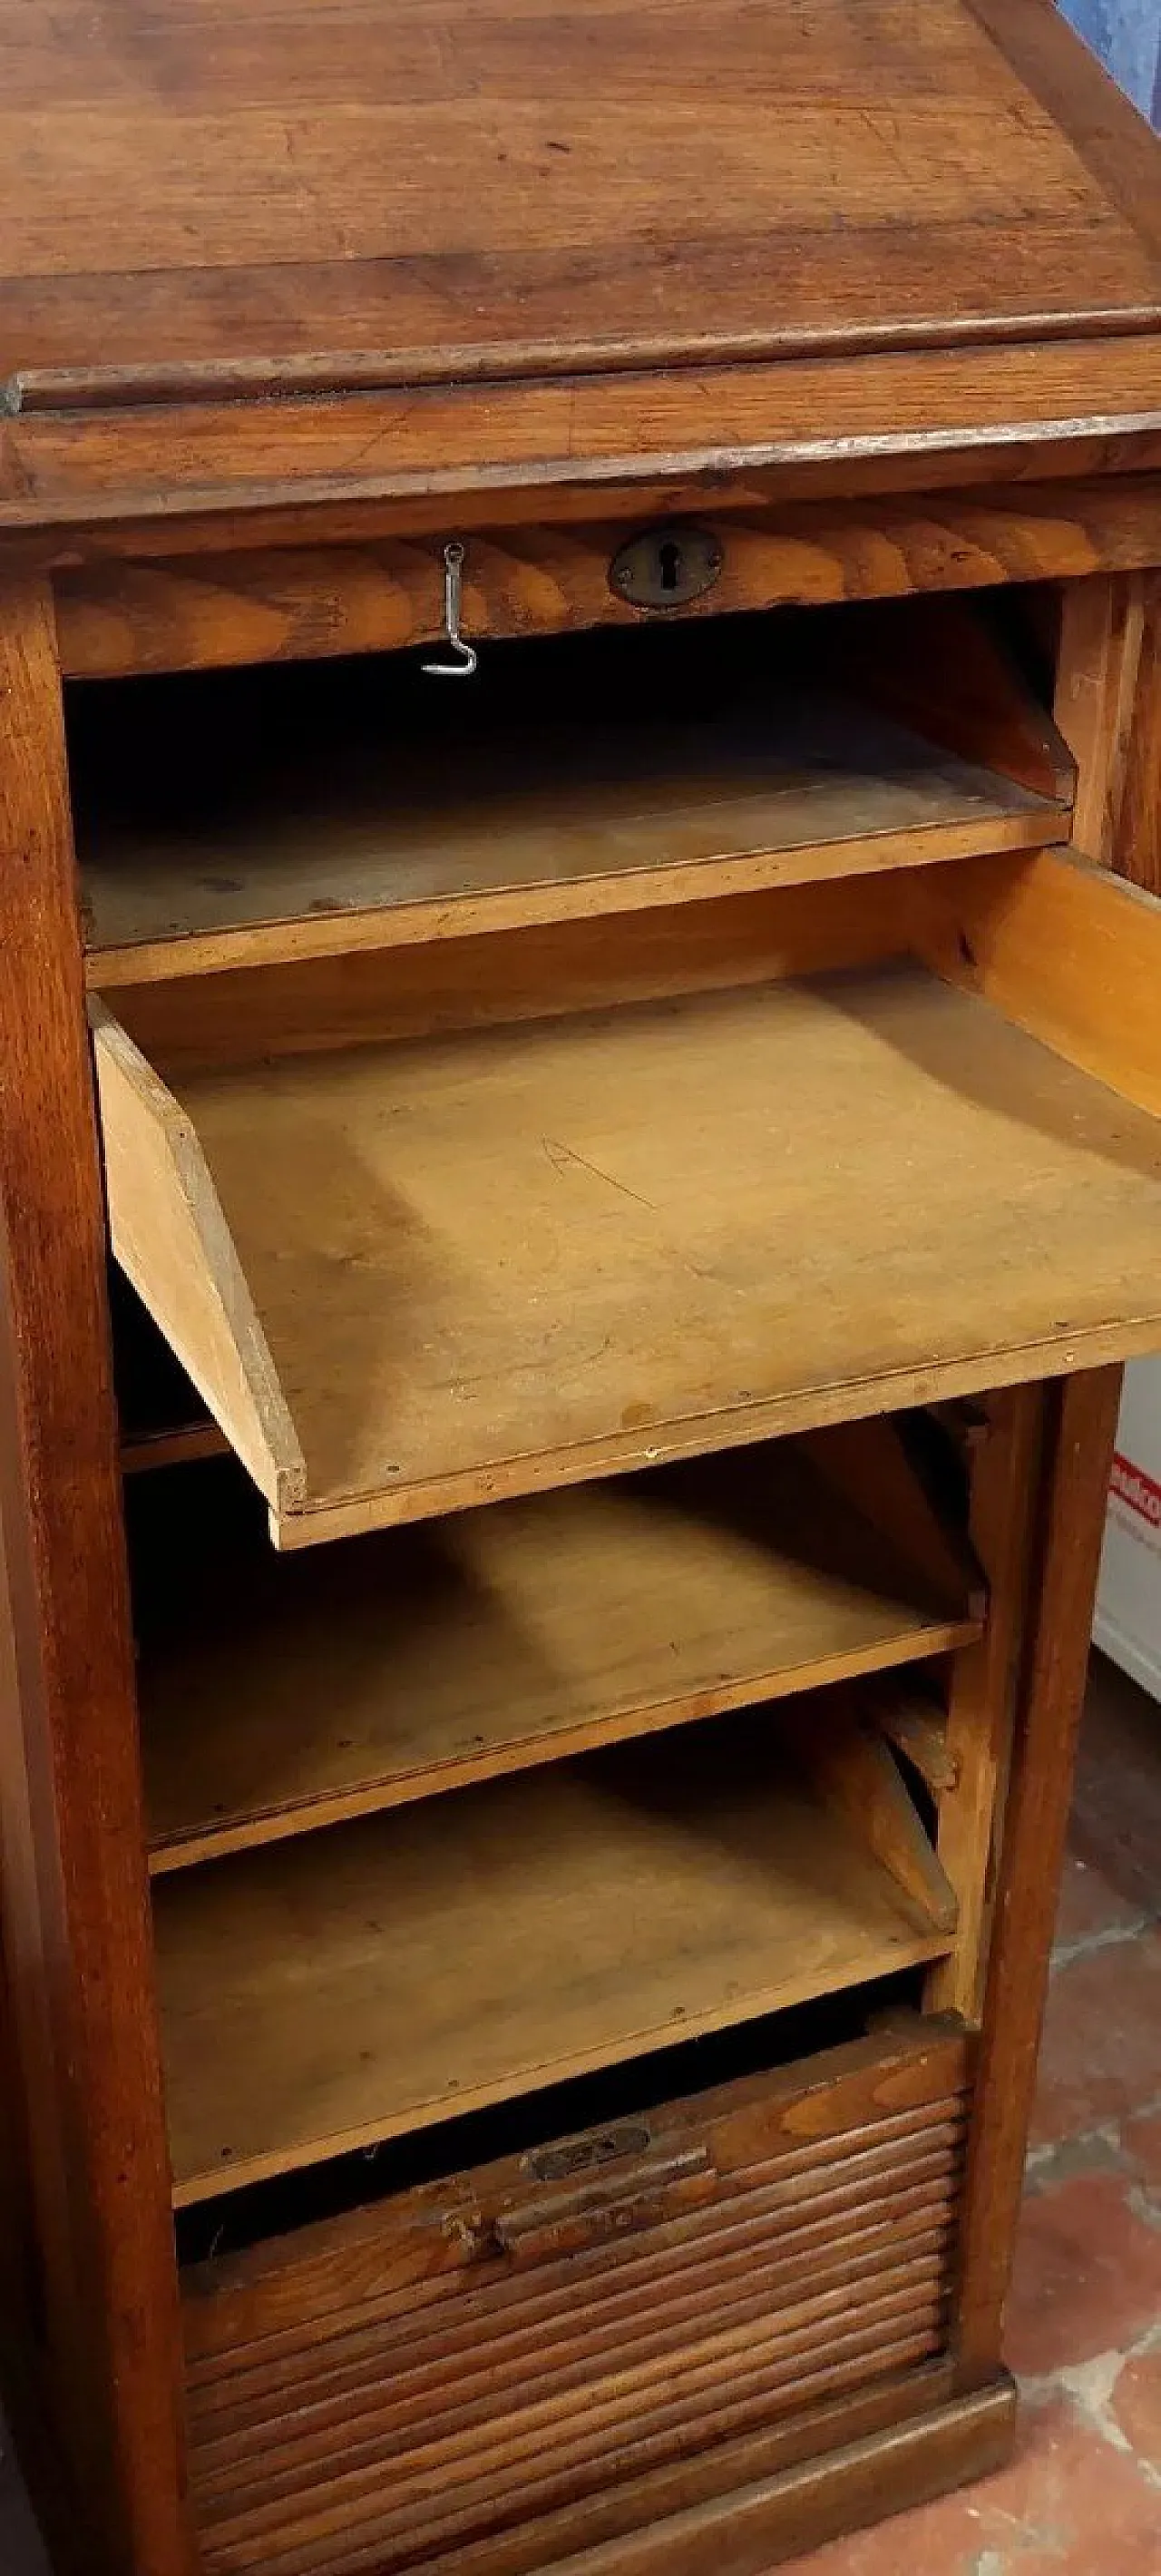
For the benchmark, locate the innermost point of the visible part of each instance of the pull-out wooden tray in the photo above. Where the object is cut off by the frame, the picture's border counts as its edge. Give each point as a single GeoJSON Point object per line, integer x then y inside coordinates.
{"type": "Point", "coordinates": [321, 1994]}
{"type": "Point", "coordinates": [280, 1694]}
{"type": "Point", "coordinates": [411, 1271]}
{"type": "Point", "coordinates": [275, 814]}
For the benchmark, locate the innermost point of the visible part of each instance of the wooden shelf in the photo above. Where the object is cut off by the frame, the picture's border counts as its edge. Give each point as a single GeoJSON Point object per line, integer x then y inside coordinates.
{"type": "Point", "coordinates": [280, 1694]}
{"type": "Point", "coordinates": [256, 822]}
{"type": "Point", "coordinates": [160, 1416]}
{"type": "Point", "coordinates": [181, 1446]}
{"type": "Point", "coordinates": [409, 1277]}
{"type": "Point", "coordinates": [330, 1992]}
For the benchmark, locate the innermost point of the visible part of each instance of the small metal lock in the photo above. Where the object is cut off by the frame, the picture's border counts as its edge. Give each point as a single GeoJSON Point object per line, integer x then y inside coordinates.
{"type": "Point", "coordinates": [569, 2156]}
{"type": "Point", "coordinates": [666, 567]}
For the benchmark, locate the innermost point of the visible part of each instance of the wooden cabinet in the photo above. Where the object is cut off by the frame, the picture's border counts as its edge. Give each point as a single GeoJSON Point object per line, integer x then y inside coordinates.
{"type": "Point", "coordinates": [568, 1238]}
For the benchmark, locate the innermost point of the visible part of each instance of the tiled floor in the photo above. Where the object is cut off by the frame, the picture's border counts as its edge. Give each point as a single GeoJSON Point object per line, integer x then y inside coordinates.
{"type": "Point", "coordinates": [1083, 2497]}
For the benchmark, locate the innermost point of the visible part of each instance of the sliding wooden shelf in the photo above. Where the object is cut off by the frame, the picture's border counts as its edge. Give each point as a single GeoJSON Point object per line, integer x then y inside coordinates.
{"type": "Point", "coordinates": [607, 775]}
{"type": "Point", "coordinates": [409, 1277]}
{"type": "Point", "coordinates": [160, 1417]}
{"type": "Point", "coordinates": [282, 1694]}
{"type": "Point", "coordinates": [181, 1446]}
{"type": "Point", "coordinates": [329, 1992]}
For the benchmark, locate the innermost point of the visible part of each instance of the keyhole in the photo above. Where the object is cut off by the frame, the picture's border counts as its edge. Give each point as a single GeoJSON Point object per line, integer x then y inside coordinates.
{"type": "Point", "coordinates": [669, 554]}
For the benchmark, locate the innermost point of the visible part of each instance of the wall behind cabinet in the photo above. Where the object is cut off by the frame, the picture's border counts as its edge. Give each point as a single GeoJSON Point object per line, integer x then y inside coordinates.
{"type": "Point", "coordinates": [1127, 36]}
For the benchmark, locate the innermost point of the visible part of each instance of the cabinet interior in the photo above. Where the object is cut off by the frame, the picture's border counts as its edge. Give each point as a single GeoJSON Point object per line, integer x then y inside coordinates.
{"type": "Point", "coordinates": [279, 812]}
{"type": "Point", "coordinates": [574, 1153]}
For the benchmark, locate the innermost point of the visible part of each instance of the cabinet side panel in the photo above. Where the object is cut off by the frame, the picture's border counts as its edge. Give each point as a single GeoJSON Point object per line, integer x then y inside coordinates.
{"type": "Point", "coordinates": [1104, 129]}
{"type": "Point", "coordinates": [75, 1913]}
{"type": "Point", "coordinates": [1081, 1425]}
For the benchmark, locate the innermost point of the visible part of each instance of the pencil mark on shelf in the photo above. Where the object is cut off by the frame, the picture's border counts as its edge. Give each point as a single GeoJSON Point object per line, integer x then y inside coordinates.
{"type": "Point", "coordinates": [564, 1158]}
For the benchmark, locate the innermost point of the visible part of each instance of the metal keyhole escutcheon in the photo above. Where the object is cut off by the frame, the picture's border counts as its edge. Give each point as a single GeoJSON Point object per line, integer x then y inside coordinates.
{"type": "Point", "coordinates": [666, 567]}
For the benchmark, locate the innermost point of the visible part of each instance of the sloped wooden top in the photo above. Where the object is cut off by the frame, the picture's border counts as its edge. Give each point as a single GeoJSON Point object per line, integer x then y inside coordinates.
{"type": "Point", "coordinates": [197, 195]}
{"type": "Point", "coordinates": [314, 252]}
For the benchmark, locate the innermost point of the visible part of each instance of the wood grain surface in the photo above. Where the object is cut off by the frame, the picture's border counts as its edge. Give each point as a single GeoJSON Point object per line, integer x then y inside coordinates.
{"type": "Point", "coordinates": [772, 2518]}
{"type": "Point", "coordinates": [1098, 684]}
{"type": "Point", "coordinates": [1067, 953]}
{"type": "Point", "coordinates": [323, 1994]}
{"type": "Point", "coordinates": [149, 479]}
{"type": "Point", "coordinates": [1137, 846]}
{"type": "Point", "coordinates": [263, 602]}
{"type": "Point", "coordinates": [521, 2336]}
{"type": "Point", "coordinates": [981, 1690]}
{"type": "Point", "coordinates": [288, 297]}
{"type": "Point", "coordinates": [282, 1694]}
{"type": "Point", "coordinates": [389, 2255]}
{"type": "Point", "coordinates": [486, 1264]}
{"type": "Point", "coordinates": [265, 816]}
{"type": "Point", "coordinates": [72, 1882]}
{"type": "Point", "coordinates": [166, 1226]}
{"type": "Point", "coordinates": [1074, 1495]}
{"type": "Point", "coordinates": [284, 202]}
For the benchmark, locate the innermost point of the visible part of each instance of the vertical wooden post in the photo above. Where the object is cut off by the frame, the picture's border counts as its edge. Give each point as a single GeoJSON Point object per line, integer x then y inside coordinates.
{"type": "Point", "coordinates": [1137, 846]}
{"type": "Point", "coordinates": [73, 1875]}
{"type": "Point", "coordinates": [1074, 1494]}
{"type": "Point", "coordinates": [1097, 684]}
{"type": "Point", "coordinates": [980, 1707]}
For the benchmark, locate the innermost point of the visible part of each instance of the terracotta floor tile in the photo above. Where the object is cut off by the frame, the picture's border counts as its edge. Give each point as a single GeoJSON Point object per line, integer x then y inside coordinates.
{"type": "Point", "coordinates": [1141, 2142]}
{"type": "Point", "coordinates": [939, 2540]}
{"type": "Point", "coordinates": [1069, 2505]}
{"type": "Point", "coordinates": [1087, 2278]}
{"type": "Point", "coordinates": [1135, 2405]}
{"type": "Point", "coordinates": [1090, 1905]}
{"type": "Point", "coordinates": [1101, 2054]}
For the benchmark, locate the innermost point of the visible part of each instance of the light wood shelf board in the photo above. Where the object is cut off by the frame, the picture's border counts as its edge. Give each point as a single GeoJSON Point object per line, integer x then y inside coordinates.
{"type": "Point", "coordinates": [324, 1994]}
{"type": "Point", "coordinates": [916, 1724]}
{"type": "Point", "coordinates": [168, 1232]}
{"type": "Point", "coordinates": [413, 819]}
{"type": "Point", "coordinates": [339, 932]}
{"type": "Point", "coordinates": [182, 1446]}
{"type": "Point", "coordinates": [525, 1256]}
{"type": "Point", "coordinates": [283, 1694]}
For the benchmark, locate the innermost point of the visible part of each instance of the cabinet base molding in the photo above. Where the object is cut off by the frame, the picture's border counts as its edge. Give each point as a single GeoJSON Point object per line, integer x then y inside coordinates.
{"type": "Point", "coordinates": [877, 2469]}
{"type": "Point", "coordinates": [838, 2468]}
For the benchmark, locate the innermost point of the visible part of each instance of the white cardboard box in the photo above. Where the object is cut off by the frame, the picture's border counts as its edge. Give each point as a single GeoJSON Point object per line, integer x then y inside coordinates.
{"type": "Point", "coordinates": [1128, 1613]}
